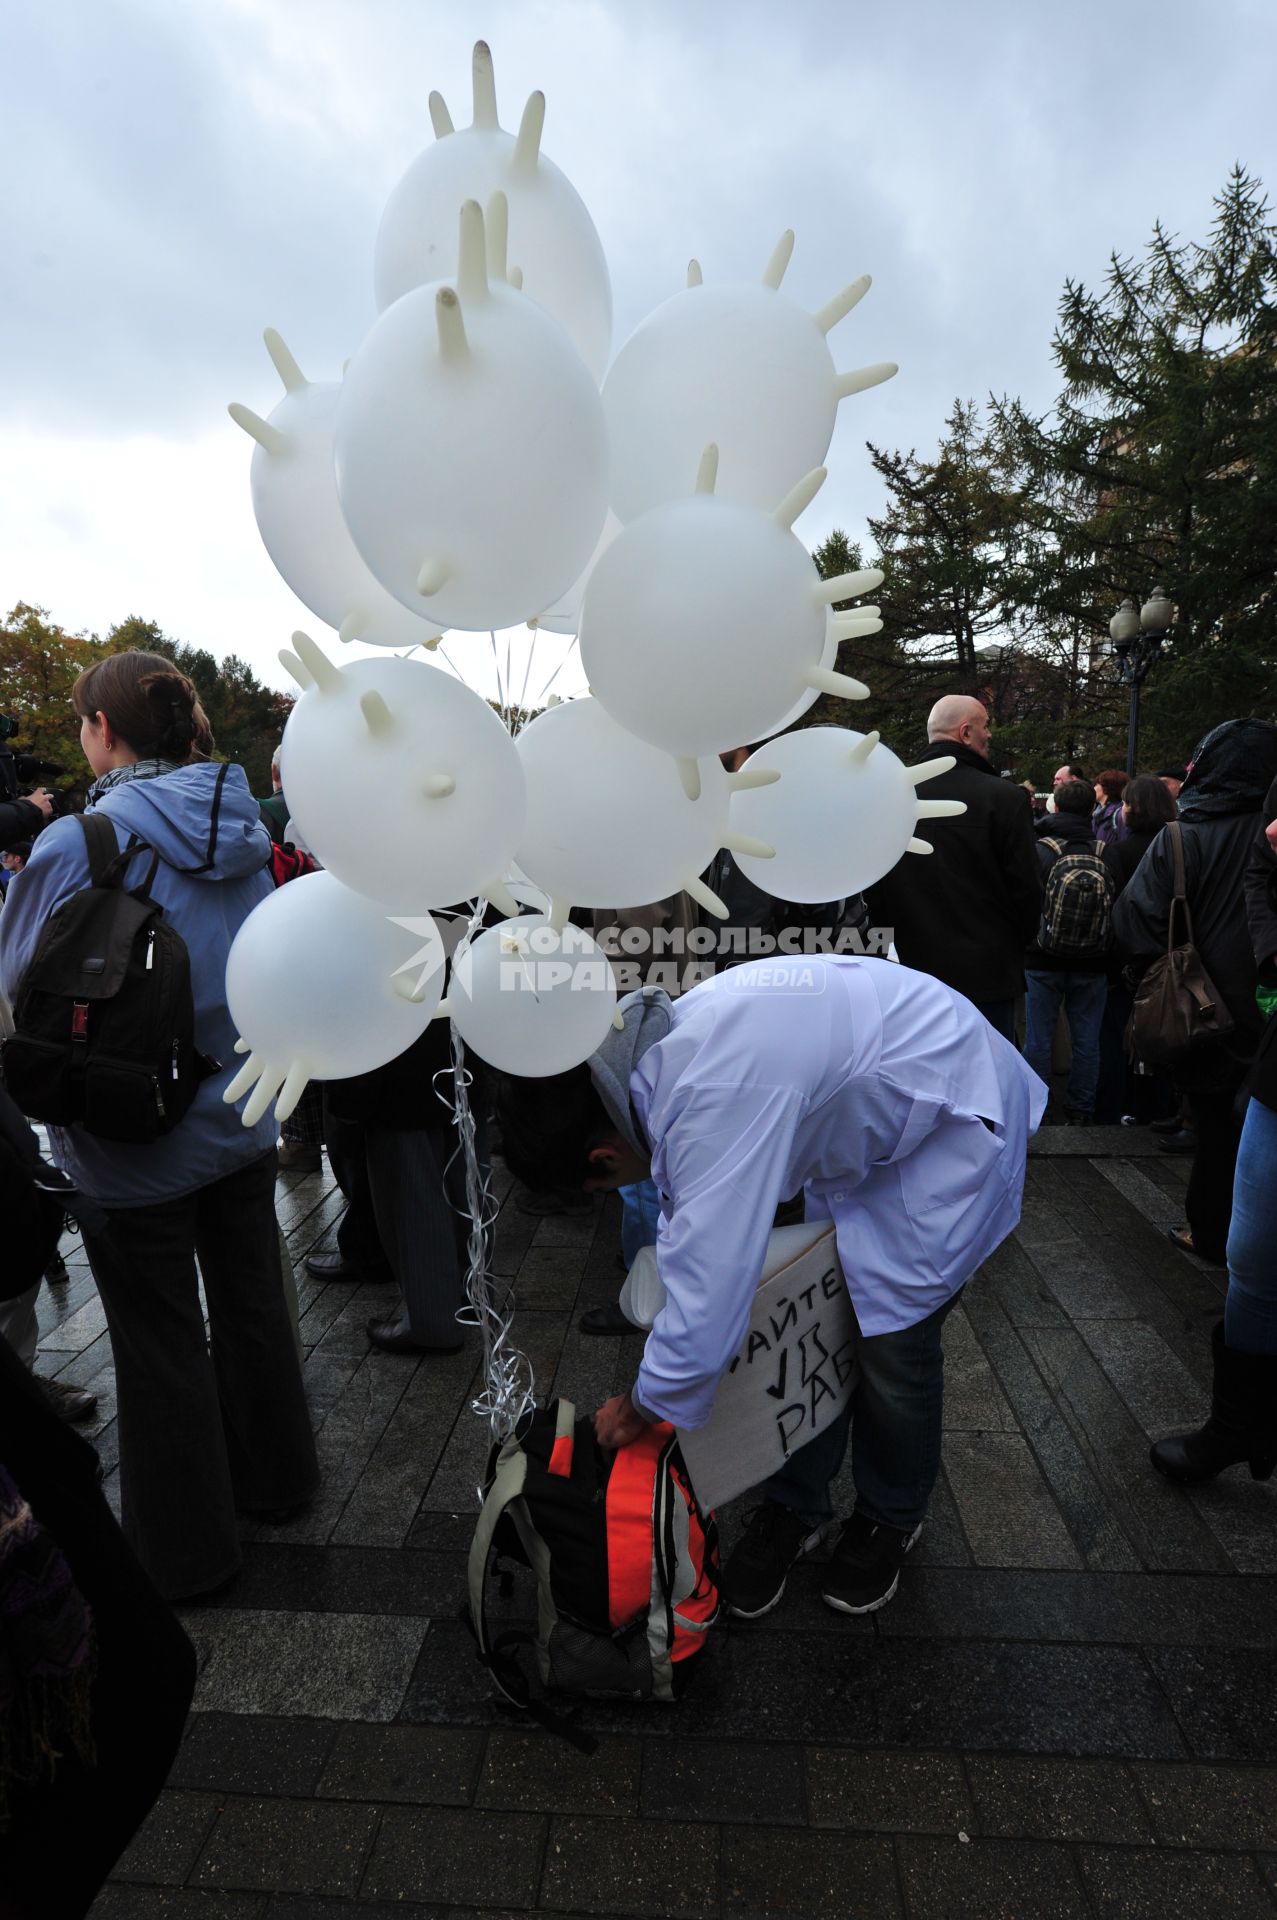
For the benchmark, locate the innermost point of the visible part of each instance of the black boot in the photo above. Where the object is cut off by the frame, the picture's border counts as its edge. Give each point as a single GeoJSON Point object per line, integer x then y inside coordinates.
{"type": "Point", "coordinates": [1242, 1424]}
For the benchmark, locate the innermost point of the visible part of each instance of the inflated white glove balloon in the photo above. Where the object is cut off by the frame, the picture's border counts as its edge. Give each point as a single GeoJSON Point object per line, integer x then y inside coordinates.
{"type": "Point", "coordinates": [564, 616]}
{"type": "Point", "coordinates": [403, 780]}
{"type": "Point", "coordinates": [299, 515]}
{"type": "Point", "coordinates": [553, 240]}
{"type": "Point", "coordinates": [322, 983]}
{"type": "Point", "coordinates": [741, 365]}
{"type": "Point", "coordinates": [531, 998]}
{"type": "Point", "coordinates": [609, 818]}
{"type": "Point", "coordinates": [470, 448]}
{"type": "Point", "coordinates": [841, 815]}
{"type": "Point", "coordinates": [705, 621]}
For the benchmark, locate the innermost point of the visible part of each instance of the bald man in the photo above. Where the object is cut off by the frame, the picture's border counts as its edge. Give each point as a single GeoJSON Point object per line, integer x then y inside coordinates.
{"type": "Point", "coordinates": [967, 914]}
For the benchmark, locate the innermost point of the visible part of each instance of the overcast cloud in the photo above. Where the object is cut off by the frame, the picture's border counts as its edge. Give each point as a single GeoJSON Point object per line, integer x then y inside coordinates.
{"type": "Point", "coordinates": [178, 176]}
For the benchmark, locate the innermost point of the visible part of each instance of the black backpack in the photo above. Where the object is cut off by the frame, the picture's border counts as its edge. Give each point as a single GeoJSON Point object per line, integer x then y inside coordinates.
{"type": "Point", "coordinates": [104, 1019]}
{"type": "Point", "coordinates": [1077, 902]}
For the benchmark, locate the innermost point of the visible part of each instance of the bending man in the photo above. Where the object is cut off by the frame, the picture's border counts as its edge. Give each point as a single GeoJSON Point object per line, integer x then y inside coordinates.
{"type": "Point", "coordinates": [903, 1115]}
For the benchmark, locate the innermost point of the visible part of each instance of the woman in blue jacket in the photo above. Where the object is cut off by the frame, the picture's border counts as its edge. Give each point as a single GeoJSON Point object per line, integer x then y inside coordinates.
{"type": "Point", "coordinates": [208, 1425]}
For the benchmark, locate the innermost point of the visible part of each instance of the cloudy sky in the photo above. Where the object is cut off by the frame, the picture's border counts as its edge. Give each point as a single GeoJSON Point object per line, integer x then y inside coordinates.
{"type": "Point", "coordinates": [177, 176]}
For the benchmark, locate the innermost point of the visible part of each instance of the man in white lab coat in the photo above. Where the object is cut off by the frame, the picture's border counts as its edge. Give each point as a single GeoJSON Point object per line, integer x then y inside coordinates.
{"type": "Point", "coordinates": [903, 1115]}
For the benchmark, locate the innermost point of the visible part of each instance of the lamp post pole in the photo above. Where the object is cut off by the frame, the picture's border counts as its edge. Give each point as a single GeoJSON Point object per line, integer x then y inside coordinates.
{"type": "Point", "coordinates": [1137, 636]}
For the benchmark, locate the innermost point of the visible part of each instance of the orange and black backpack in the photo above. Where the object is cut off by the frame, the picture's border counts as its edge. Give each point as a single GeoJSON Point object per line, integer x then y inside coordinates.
{"type": "Point", "coordinates": [625, 1562]}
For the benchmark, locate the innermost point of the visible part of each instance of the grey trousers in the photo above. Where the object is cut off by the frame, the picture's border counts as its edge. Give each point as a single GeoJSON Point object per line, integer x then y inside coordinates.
{"type": "Point", "coordinates": [405, 1219]}
{"type": "Point", "coordinates": [207, 1424]}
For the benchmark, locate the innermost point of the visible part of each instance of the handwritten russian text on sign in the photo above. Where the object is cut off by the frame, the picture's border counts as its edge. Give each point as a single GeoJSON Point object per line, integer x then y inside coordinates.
{"type": "Point", "coordinates": [793, 1374]}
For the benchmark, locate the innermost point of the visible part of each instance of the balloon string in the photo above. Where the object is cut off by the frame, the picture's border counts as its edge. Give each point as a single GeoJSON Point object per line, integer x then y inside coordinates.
{"type": "Point", "coordinates": [521, 712]}
{"type": "Point", "coordinates": [567, 655]}
{"type": "Point", "coordinates": [508, 1388]}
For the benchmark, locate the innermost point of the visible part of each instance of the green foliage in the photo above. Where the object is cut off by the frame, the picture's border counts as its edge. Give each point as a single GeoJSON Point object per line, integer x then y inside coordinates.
{"type": "Point", "coordinates": [40, 662]}
{"type": "Point", "coordinates": [1158, 465]}
{"type": "Point", "coordinates": [1008, 550]}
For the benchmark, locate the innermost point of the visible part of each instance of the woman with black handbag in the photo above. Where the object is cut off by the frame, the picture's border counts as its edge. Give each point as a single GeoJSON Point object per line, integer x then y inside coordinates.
{"type": "Point", "coordinates": [1243, 1418]}
{"type": "Point", "coordinates": [1220, 808]}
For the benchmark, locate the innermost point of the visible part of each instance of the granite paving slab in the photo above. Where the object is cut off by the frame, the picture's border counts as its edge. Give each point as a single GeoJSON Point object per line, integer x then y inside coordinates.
{"type": "Point", "coordinates": [1095, 1800]}
{"type": "Point", "coordinates": [1142, 1884]}
{"type": "Point", "coordinates": [252, 1754]}
{"type": "Point", "coordinates": [447, 1855]}
{"type": "Point", "coordinates": [1007, 1509]}
{"type": "Point", "coordinates": [1068, 1708]}
{"type": "Point", "coordinates": [1224, 1699]}
{"type": "Point", "coordinates": [1164, 1529]}
{"type": "Point", "coordinates": [1063, 1454]}
{"type": "Point", "coordinates": [888, 1791]}
{"type": "Point", "coordinates": [732, 1780]}
{"type": "Point", "coordinates": [425, 1766]}
{"type": "Point", "coordinates": [288, 1846]}
{"type": "Point", "coordinates": [1193, 1806]}
{"type": "Point", "coordinates": [774, 1870]}
{"type": "Point", "coordinates": [332, 1665]}
{"type": "Point", "coordinates": [170, 1839]}
{"type": "Point", "coordinates": [666, 1869]}
{"type": "Point", "coordinates": [976, 1880]}
{"type": "Point", "coordinates": [522, 1771]}
{"type": "Point", "coordinates": [973, 1400]}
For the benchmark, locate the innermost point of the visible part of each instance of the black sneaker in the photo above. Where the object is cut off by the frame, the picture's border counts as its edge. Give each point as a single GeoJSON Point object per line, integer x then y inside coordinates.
{"type": "Point", "coordinates": [758, 1565]}
{"type": "Point", "coordinates": [864, 1570]}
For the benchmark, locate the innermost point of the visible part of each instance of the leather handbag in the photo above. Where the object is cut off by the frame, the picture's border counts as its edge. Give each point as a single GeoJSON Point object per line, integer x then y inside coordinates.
{"type": "Point", "coordinates": [1178, 1007]}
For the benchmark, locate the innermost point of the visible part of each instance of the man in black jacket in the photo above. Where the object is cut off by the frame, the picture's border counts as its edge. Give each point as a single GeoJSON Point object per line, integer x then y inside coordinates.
{"type": "Point", "coordinates": [967, 915]}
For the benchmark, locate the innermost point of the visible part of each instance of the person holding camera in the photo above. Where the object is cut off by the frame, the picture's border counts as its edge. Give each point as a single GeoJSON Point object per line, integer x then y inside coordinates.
{"type": "Point", "coordinates": [21, 815]}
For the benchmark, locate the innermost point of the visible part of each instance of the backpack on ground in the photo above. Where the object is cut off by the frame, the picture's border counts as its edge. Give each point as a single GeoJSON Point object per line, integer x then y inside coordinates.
{"type": "Point", "coordinates": [626, 1564]}
{"type": "Point", "coordinates": [104, 1021]}
{"type": "Point", "coordinates": [1077, 904]}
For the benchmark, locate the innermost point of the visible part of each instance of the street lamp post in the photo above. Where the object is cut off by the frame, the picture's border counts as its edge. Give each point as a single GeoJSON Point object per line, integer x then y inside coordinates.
{"type": "Point", "coordinates": [1137, 638]}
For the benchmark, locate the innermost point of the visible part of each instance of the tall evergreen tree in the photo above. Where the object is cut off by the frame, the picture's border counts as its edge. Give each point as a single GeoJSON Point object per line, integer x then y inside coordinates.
{"type": "Point", "coordinates": [947, 537]}
{"type": "Point", "coordinates": [1158, 465]}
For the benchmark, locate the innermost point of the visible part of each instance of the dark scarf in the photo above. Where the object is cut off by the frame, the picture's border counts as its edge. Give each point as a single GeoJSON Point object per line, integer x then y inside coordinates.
{"type": "Point", "coordinates": [47, 1652]}
{"type": "Point", "coordinates": [1231, 771]}
{"type": "Point", "coordinates": [152, 769]}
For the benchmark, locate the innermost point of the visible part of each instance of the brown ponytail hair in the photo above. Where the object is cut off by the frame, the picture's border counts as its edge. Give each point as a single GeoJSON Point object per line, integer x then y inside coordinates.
{"type": "Point", "coordinates": [153, 708]}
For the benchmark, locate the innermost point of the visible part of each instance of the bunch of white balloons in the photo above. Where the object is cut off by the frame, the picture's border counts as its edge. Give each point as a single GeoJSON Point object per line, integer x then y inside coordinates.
{"type": "Point", "coordinates": [469, 472]}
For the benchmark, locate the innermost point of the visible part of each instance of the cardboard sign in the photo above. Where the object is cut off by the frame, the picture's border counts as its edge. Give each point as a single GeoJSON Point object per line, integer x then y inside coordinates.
{"type": "Point", "coordinates": [793, 1374]}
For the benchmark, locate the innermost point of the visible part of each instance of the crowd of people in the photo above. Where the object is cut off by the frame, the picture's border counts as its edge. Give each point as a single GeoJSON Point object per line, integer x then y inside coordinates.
{"type": "Point", "coordinates": [883, 1071]}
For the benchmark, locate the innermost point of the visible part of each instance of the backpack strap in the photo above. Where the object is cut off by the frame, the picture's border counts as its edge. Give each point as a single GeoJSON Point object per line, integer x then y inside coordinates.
{"type": "Point", "coordinates": [107, 858]}
{"type": "Point", "coordinates": [500, 1656]}
{"type": "Point", "coordinates": [101, 844]}
{"type": "Point", "coordinates": [1056, 846]}
{"type": "Point", "coordinates": [507, 1485]}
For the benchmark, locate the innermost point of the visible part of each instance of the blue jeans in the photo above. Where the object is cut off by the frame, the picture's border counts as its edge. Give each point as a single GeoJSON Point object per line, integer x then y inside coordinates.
{"type": "Point", "coordinates": [1082, 996]}
{"type": "Point", "coordinates": [895, 1416]}
{"type": "Point", "coordinates": [1250, 1311]}
{"type": "Point", "coordinates": [640, 1216]}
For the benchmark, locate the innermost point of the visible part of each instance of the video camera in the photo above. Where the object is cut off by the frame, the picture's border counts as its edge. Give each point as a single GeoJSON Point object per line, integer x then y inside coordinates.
{"type": "Point", "coordinates": [17, 768]}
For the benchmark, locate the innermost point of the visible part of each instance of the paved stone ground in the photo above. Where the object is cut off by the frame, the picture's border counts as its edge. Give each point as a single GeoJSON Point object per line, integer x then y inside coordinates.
{"type": "Point", "coordinates": [1070, 1709]}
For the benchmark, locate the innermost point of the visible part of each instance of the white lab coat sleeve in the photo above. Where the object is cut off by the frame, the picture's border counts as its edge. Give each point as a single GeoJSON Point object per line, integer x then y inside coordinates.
{"type": "Point", "coordinates": [722, 1163]}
